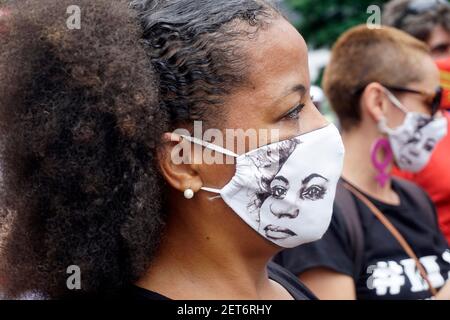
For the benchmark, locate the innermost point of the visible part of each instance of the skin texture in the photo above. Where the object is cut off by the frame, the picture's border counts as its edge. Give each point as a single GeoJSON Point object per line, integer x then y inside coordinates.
{"type": "Point", "coordinates": [207, 251]}
{"type": "Point", "coordinates": [358, 170]}
{"type": "Point", "coordinates": [3, 15]}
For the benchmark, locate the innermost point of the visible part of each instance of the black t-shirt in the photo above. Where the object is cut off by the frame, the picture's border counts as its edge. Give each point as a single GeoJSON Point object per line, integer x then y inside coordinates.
{"type": "Point", "coordinates": [275, 272]}
{"type": "Point", "coordinates": [387, 271]}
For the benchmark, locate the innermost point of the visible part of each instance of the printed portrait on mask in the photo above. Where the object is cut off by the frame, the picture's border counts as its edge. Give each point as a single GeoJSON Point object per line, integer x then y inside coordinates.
{"type": "Point", "coordinates": [268, 161]}
{"type": "Point", "coordinates": [287, 192]}
{"type": "Point", "coordinates": [415, 145]}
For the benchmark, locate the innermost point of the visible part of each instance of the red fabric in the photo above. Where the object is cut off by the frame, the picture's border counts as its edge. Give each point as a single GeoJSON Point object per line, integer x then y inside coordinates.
{"type": "Point", "coordinates": [444, 69]}
{"type": "Point", "coordinates": [435, 180]}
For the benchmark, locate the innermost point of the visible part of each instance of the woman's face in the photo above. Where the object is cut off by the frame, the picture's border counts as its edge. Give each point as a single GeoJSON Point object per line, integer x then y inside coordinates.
{"type": "Point", "coordinates": [439, 43]}
{"type": "Point", "coordinates": [416, 144]}
{"type": "Point", "coordinates": [296, 198]}
{"type": "Point", "coordinates": [276, 96]}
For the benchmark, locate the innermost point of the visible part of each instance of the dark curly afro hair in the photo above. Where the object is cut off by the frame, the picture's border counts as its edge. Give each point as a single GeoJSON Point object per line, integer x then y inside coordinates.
{"type": "Point", "coordinates": [79, 123]}
{"type": "Point", "coordinates": [82, 113]}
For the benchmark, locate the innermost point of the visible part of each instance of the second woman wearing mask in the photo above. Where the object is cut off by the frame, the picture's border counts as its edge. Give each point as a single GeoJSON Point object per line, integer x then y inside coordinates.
{"type": "Point", "coordinates": [384, 87]}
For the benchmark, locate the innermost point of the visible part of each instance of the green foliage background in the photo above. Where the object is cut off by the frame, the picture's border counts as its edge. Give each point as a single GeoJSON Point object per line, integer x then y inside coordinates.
{"type": "Point", "coordinates": [321, 22]}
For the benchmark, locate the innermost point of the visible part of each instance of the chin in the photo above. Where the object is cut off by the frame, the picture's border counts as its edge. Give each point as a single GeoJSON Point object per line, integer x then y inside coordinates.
{"type": "Point", "coordinates": [288, 242]}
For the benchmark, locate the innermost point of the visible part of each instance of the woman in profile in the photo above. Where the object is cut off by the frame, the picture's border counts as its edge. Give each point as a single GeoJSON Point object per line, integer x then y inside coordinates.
{"type": "Point", "coordinates": [86, 124]}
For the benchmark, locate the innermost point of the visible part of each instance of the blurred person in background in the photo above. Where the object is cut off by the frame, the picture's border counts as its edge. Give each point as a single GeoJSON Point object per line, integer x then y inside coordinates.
{"type": "Point", "coordinates": [426, 20]}
{"type": "Point", "coordinates": [384, 241]}
{"type": "Point", "coordinates": [318, 97]}
{"type": "Point", "coordinates": [429, 21]}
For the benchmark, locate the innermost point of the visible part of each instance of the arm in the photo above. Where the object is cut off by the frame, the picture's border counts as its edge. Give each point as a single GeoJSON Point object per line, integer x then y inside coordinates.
{"type": "Point", "coordinates": [327, 284]}
{"type": "Point", "coordinates": [328, 276]}
{"type": "Point", "coordinates": [444, 293]}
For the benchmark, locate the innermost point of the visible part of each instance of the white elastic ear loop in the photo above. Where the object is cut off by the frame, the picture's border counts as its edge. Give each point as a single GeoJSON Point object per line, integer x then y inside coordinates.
{"type": "Point", "coordinates": [211, 146]}
{"type": "Point", "coordinates": [395, 101]}
{"type": "Point", "coordinates": [382, 126]}
{"type": "Point", "coordinates": [212, 190]}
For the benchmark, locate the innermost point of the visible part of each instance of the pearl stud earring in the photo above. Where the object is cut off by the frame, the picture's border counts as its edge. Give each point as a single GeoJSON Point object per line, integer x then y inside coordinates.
{"type": "Point", "coordinates": [188, 193]}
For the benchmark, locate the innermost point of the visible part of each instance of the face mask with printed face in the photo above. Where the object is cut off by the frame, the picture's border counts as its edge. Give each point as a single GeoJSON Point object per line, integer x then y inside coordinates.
{"type": "Point", "coordinates": [415, 139]}
{"type": "Point", "coordinates": [285, 190]}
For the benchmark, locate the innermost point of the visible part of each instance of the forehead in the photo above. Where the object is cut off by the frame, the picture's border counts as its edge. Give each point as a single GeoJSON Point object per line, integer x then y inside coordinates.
{"type": "Point", "coordinates": [438, 36]}
{"type": "Point", "coordinates": [278, 59]}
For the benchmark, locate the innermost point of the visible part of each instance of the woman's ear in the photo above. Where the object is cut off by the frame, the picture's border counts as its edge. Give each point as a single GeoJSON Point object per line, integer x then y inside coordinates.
{"type": "Point", "coordinates": [175, 163]}
{"type": "Point", "coordinates": [373, 100]}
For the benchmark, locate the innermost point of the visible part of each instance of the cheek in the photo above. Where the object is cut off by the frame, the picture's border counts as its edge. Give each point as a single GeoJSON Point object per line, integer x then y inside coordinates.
{"type": "Point", "coordinates": [310, 209]}
{"type": "Point", "coordinates": [416, 105]}
{"type": "Point", "coordinates": [217, 175]}
{"type": "Point", "coordinates": [266, 215]}
{"type": "Point", "coordinates": [395, 117]}
{"type": "Point", "coordinates": [269, 205]}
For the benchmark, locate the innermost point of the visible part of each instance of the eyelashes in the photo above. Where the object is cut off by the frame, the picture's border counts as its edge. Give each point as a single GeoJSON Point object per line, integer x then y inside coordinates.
{"type": "Point", "coordinates": [278, 192]}
{"type": "Point", "coordinates": [429, 145]}
{"type": "Point", "coordinates": [294, 113]}
{"type": "Point", "coordinates": [314, 192]}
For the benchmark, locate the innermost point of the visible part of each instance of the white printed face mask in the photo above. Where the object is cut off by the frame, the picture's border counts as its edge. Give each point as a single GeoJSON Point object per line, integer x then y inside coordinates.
{"type": "Point", "coordinates": [414, 140]}
{"type": "Point", "coordinates": [285, 190]}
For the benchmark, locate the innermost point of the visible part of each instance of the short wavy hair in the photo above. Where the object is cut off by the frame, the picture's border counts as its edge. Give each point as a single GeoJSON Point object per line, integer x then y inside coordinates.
{"type": "Point", "coordinates": [385, 55]}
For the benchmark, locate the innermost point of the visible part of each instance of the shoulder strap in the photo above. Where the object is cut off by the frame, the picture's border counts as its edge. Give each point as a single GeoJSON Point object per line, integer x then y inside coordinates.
{"type": "Point", "coordinates": [420, 196]}
{"type": "Point", "coordinates": [395, 233]}
{"type": "Point", "coordinates": [347, 206]}
{"type": "Point", "coordinates": [289, 281]}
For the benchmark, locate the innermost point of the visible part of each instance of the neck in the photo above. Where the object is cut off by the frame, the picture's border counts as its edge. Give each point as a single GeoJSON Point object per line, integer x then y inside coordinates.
{"type": "Point", "coordinates": [209, 258]}
{"type": "Point", "coordinates": [358, 167]}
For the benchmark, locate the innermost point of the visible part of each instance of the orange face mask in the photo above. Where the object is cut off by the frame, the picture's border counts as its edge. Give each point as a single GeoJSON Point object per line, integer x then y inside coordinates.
{"type": "Point", "coordinates": [444, 68]}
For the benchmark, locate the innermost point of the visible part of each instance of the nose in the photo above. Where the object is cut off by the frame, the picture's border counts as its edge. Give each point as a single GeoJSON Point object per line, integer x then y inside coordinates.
{"type": "Point", "coordinates": [312, 119]}
{"type": "Point", "coordinates": [414, 150]}
{"type": "Point", "coordinates": [281, 210]}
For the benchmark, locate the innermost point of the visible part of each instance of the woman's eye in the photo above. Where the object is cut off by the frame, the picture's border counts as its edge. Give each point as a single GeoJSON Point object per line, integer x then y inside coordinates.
{"type": "Point", "coordinates": [279, 192]}
{"type": "Point", "coordinates": [294, 113]}
{"type": "Point", "coordinates": [314, 192]}
{"type": "Point", "coordinates": [429, 145]}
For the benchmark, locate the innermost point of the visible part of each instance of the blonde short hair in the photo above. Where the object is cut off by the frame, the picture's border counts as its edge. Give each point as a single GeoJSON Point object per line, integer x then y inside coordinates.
{"type": "Point", "coordinates": [361, 56]}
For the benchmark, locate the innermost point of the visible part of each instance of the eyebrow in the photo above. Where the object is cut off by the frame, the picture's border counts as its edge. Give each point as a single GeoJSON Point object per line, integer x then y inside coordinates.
{"type": "Point", "coordinates": [312, 176]}
{"type": "Point", "coordinates": [281, 178]}
{"type": "Point", "coordinates": [440, 45]}
{"type": "Point", "coordinates": [299, 88]}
